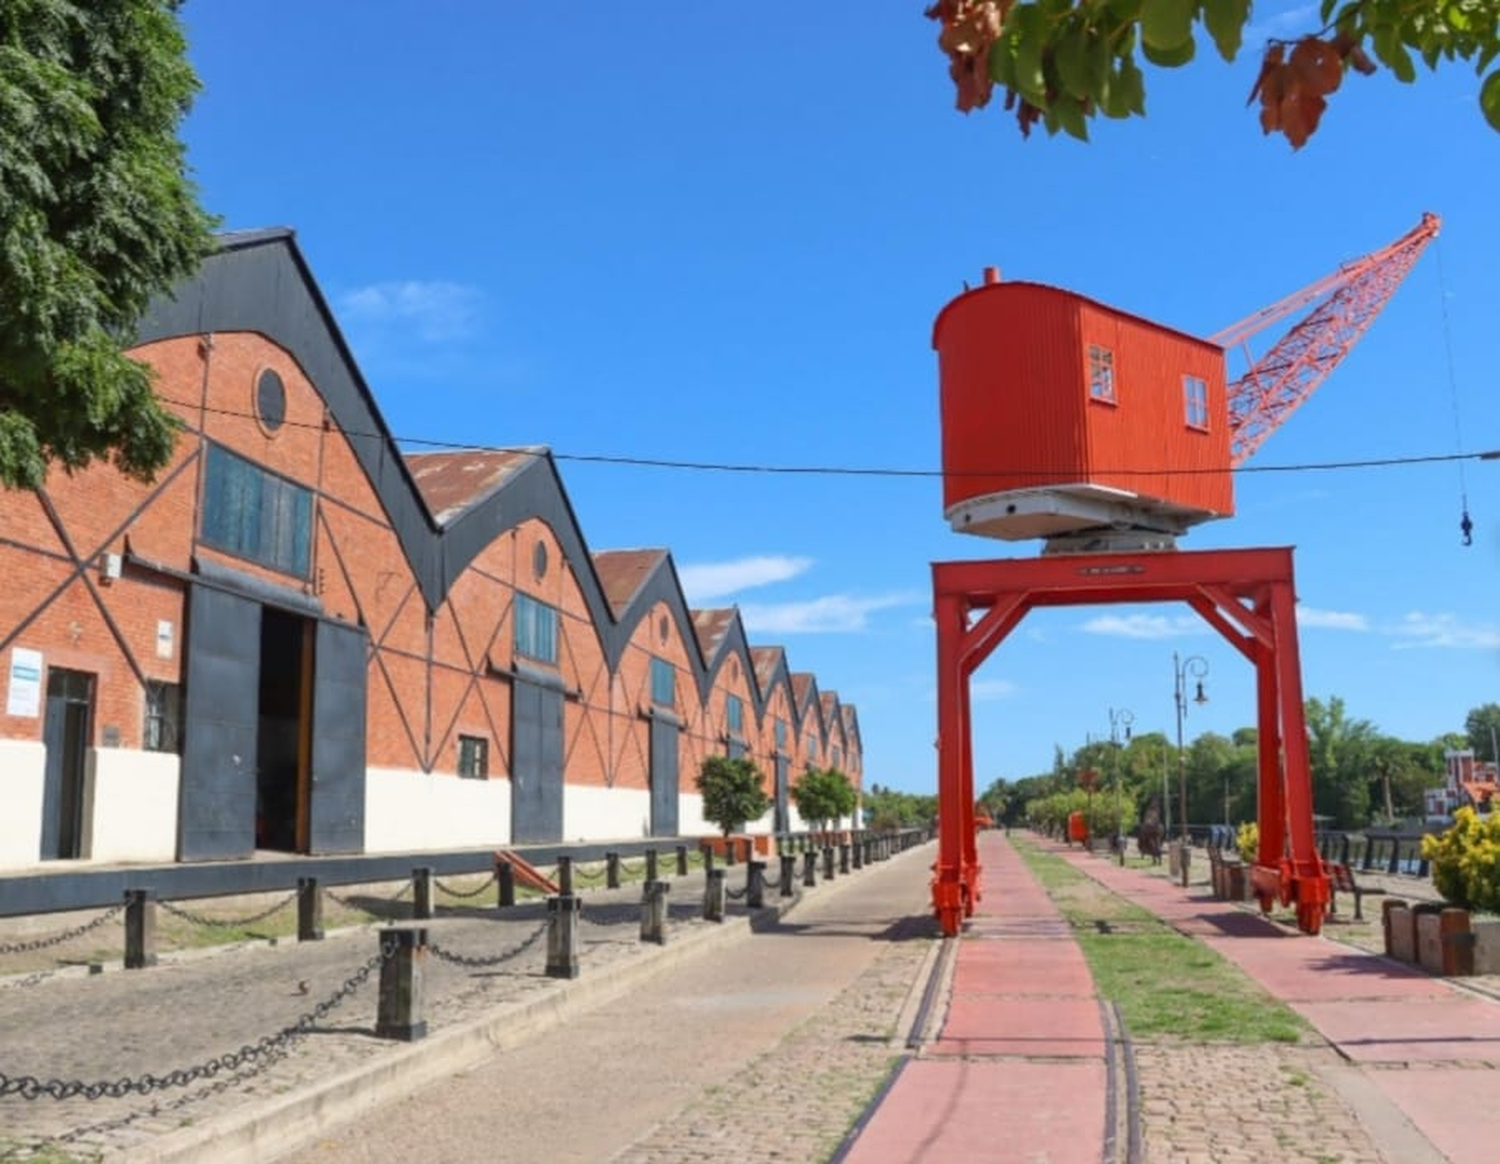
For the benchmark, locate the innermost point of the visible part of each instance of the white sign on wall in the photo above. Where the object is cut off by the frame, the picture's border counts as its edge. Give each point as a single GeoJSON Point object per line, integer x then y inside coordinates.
{"type": "Point", "coordinates": [164, 633]}
{"type": "Point", "coordinates": [25, 694]}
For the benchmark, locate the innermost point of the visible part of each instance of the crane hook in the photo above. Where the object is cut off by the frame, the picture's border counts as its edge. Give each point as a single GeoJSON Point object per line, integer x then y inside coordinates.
{"type": "Point", "coordinates": [1467, 528]}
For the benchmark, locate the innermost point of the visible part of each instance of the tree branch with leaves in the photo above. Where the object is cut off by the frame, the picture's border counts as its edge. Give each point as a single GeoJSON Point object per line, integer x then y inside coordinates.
{"type": "Point", "coordinates": [1060, 63]}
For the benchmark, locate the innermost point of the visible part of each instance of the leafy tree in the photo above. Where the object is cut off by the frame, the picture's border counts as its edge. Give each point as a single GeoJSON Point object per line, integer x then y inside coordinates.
{"type": "Point", "coordinates": [886, 809]}
{"type": "Point", "coordinates": [1482, 726]}
{"type": "Point", "coordinates": [732, 792]}
{"type": "Point", "coordinates": [1338, 755]}
{"type": "Point", "coordinates": [97, 215]}
{"type": "Point", "coordinates": [1061, 62]}
{"type": "Point", "coordinates": [824, 795]}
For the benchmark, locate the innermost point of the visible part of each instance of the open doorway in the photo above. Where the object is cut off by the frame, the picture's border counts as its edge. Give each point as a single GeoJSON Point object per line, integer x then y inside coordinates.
{"type": "Point", "coordinates": [283, 735]}
{"type": "Point", "coordinates": [70, 705]}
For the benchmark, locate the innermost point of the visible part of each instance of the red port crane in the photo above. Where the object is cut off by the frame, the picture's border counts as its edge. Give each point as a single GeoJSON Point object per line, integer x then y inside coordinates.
{"type": "Point", "coordinates": [1109, 435]}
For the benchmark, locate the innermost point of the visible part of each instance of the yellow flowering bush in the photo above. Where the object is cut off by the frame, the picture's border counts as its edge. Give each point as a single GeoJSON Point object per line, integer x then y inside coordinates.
{"type": "Point", "coordinates": [1465, 860]}
{"type": "Point", "coordinates": [1247, 841]}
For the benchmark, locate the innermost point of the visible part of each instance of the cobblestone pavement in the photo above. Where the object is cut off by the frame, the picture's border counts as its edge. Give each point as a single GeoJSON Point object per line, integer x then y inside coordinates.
{"type": "Point", "coordinates": [1243, 1104]}
{"type": "Point", "coordinates": [196, 1006]}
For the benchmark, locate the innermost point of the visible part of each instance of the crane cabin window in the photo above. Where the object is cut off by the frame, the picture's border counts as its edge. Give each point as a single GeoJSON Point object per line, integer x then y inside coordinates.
{"type": "Point", "coordinates": [1101, 374]}
{"type": "Point", "coordinates": [1195, 402]}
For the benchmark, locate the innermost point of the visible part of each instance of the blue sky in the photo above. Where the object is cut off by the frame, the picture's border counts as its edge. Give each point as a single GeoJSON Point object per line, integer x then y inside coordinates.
{"type": "Point", "coordinates": [721, 233]}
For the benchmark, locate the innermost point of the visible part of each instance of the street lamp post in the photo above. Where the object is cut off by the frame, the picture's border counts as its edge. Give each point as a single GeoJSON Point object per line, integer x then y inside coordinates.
{"type": "Point", "coordinates": [1195, 666]}
{"type": "Point", "coordinates": [1119, 718]}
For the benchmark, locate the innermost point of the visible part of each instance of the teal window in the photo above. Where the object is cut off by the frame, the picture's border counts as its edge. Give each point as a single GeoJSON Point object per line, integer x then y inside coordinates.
{"type": "Point", "coordinates": [1101, 374]}
{"type": "Point", "coordinates": [536, 629]}
{"type": "Point", "coordinates": [1195, 402]}
{"type": "Point", "coordinates": [256, 515]}
{"type": "Point", "coordinates": [812, 749]}
{"type": "Point", "coordinates": [663, 683]}
{"type": "Point", "coordinates": [734, 713]}
{"type": "Point", "coordinates": [781, 733]}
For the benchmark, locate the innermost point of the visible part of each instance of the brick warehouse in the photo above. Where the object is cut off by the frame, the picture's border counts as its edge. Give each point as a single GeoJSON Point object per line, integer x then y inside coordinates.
{"type": "Point", "coordinates": [299, 639]}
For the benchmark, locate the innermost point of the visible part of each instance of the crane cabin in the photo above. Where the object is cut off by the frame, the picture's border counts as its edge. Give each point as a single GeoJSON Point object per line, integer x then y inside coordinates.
{"type": "Point", "coordinates": [1071, 421]}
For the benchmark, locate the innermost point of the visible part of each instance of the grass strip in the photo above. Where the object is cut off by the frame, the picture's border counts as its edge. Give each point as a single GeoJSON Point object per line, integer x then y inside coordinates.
{"type": "Point", "coordinates": [1167, 986]}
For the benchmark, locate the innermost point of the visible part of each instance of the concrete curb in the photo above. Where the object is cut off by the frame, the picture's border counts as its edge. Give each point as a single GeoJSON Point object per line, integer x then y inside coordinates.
{"type": "Point", "coordinates": [267, 1128]}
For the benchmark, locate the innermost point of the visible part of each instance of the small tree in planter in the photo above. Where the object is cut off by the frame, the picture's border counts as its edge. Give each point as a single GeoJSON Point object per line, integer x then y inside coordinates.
{"type": "Point", "coordinates": [1466, 861]}
{"type": "Point", "coordinates": [824, 795]}
{"type": "Point", "coordinates": [732, 792]}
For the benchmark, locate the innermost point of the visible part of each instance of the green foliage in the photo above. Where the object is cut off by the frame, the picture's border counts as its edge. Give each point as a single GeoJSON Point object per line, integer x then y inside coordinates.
{"type": "Point", "coordinates": [887, 810]}
{"type": "Point", "coordinates": [732, 792]}
{"type": "Point", "coordinates": [1465, 860]}
{"type": "Point", "coordinates": [97, 215]}
{"type": "Point", "coordinates": [1247, 841]}
{"type": "Point", "coordinates": [824, 795]}
{"type": "Point", "coordinates": [1482, 727]}
{"type": "Point", "coordinates": [1062, 62]}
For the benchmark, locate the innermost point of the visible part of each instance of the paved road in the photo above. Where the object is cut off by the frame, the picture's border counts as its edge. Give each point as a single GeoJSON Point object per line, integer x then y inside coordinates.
{"type": "Point", "coordinates": [769, 1047]}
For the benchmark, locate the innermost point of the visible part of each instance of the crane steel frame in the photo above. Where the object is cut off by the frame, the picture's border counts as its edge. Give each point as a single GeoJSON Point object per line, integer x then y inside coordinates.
{"type": "Point", "coordinates": [1246, 595]}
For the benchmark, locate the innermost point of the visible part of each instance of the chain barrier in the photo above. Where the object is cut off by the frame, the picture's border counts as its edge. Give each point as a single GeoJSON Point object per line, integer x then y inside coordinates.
{"type": "Point", "coordinates": [258, 1053]}
{"type": "Point", "coordinates": [350, 903]}
{"type": "Point", "coordinates": [29, 979]}
{"type": "Point", "coordinates": [222, 923]}
{"type": "Point", "coordinates": [590, 878]}
{"type": "Point", "coordinates": [735, 894]}
{"type": "Point", "coordinates": [33, 944]}
{"type": "Point", "coordinates": [628, 918]}
{"type": "Point", "coordinates": [451, 892]}
{"type": "Point", "coordinates": [635, 870]}
{"type": "Point", "coordinates": [478, 963]}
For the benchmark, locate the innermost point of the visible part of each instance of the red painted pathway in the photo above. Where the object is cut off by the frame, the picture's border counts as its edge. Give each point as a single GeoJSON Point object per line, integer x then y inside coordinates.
{"type": "Point", "coordinates": [1017, 1072]}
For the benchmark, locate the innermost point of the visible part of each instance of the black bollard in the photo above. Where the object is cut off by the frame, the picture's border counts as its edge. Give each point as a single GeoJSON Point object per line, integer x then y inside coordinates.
{"type": "Point", "coordinates": [707, 853]}
{"type": "Point", "coordinates": [858, 852]}
{"type": "Point", "coordinates": [309, 910]}
{"type": "Point", "coordinates": [654, 910]}
{"type": "Point", "coordinates": [421, 893]}
{"type": "Point", "coordinates": [809, 868]}
{"type": "Point", "coordinates": [140, 929]}
{"type": "Point", "coordinates": [611, 870]}
{"type": "Point", "coordinates": [682, 860]}
{"type": "Point", "coordinates": [562, 935]}
{"type": "Point", "coordinates": [401, 988]}
{"type": "Point", "coordinates": [714, 895]}
{"type": "Point", "coordinates": [505, 876]}
{"type": "Point", "coordinates": [565, 876]}
{"type": "Point", "coordinates": [843, 857]}
{"type": "Point", "coordinates": [788, 874]}
{"type": "Point", "coordinates": [755, 884]}
{"type": "Point", "coordinates": [828, 873]}
{"type": "Point", "coordinates": [650, 866]}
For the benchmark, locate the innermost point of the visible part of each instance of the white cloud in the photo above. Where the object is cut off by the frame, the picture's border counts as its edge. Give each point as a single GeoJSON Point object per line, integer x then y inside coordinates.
{"type": "Point", "coordinates": [984, 690]}
{"type": "Point", "coordinates": [832, 614]}
{"type": "Point", "coordinates": [1145, 626]}
{"type": "Point", "coordinates": [1419, 629]}
{"type": "Point", "coordinates": [716, 579]}
{"type": "Point", "coordinates": [1311, 616]}
{"type": "Point", "coordinates": [435, 310]}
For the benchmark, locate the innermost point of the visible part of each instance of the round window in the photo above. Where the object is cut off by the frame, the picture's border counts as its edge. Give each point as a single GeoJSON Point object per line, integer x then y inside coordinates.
{"type": "Point", "coordinates": [539, 560]}
{"type": "Point", "coordinates": [270, 400]}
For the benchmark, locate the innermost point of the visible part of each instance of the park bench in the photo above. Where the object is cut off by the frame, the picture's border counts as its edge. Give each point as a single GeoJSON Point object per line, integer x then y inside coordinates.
{"type": "Point", "coordinates": [1341, 880]}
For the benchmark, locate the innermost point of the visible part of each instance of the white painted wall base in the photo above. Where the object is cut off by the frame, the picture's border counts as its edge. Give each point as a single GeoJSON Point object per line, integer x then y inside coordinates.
{"type": "Point", "coordinates": [591, 813]}
{"type": "Point", "coordinates": [23, 766]}
{"type": "Point", "coordinates": [130, 805]}
{"type": "Point", "coordinates": [690, 822]}
{"type": "Point", "coordinates": [407, 810]}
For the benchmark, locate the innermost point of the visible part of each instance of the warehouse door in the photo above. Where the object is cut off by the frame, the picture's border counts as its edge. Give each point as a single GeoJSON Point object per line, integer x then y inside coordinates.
{"type": "Point", "coordinates": [536, 762]}
{"type": "Point", "coordinates": [336, 800]}
{"type": "Point", "coordinates": [783, 811]}
{"type": "Point", "coordinates": [663, 777]}
{"type": "Point", "coordinates": [216, 808]}
{"type": "Point", "coordinates": [70, 699]}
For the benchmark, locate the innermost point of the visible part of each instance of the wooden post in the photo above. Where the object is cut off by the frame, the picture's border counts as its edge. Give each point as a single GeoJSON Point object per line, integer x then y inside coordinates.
{"type": "Point", "coordinates": [505, 876]}
{"type": "Point", "coordinates": [713, 895]}
{"type": "Point", "coordinates": [755, 884]}
{"type": "Point", "coordinates": [654, 912]}
{"type": "Point", "coordinates": [309, 910]}
{"type": "Point", "coordinates": [140, 929]}
{"type": "Point", "coordinates": [402, 991]}
{"type": "Point", "coordinates": [562, 935]}
{"type": "Point", "coordinates": [421, 893]}
{"type": "Point", "coordinates": [611, 870]}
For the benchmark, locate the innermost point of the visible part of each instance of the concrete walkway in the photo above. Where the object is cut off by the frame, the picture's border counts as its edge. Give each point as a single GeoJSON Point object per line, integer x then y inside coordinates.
{"type": "Point", "coordinates": [1019, 1068]}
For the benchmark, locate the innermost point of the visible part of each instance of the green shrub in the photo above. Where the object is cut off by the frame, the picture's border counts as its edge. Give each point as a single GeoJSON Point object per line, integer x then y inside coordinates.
{"type": "Point", "coordinates": [1465, 861]}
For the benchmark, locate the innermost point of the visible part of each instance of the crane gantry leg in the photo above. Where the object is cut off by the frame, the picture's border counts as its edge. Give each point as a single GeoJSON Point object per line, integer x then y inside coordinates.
{"type": "Point", "coordinates": [1247, 595]}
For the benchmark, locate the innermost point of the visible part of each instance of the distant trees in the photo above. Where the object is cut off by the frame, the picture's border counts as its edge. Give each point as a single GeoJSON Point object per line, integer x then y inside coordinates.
{"type": "Point", "coordinates": [1359, 775]}
{"type": "Point", "coordinates": [887, 810]}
